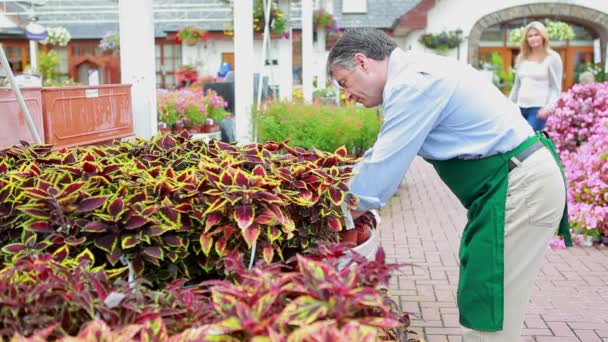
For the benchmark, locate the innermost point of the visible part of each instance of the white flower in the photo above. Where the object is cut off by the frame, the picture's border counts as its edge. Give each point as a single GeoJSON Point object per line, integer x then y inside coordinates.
{"type": "Point", "coordinates": [57, 36]}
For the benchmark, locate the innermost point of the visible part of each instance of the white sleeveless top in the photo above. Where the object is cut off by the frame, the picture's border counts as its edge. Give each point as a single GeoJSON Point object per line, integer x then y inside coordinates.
{"type": "Point", "coordinates": [534, 78]}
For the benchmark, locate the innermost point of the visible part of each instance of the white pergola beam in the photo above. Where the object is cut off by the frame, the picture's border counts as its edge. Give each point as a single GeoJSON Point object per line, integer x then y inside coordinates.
{"type": "Point", "coordinates": [137, 62]}
{"type": "Point", "coordinates": [243, 69]}
{"type": "Point", "coordinates": [285, 59]}
{"type": "Point", "coordinates": [307, 50]}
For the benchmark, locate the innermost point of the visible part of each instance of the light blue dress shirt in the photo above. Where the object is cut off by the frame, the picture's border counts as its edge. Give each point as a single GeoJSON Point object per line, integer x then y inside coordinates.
{"type": "Point", "coordinates": [438, 108]}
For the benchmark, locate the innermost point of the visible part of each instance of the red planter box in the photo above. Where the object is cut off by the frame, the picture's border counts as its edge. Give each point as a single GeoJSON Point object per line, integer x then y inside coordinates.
{"type": "Point", "coordinates": [14, 126]}
{"type": "Point", "coordinates": [84, 115]}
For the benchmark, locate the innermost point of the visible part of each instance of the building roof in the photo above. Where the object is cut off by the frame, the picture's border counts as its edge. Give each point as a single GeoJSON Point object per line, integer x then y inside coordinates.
{"type": "Point", "coordinates": [91, 19]}
{"type": "Point", "coordinates": [380, 13]}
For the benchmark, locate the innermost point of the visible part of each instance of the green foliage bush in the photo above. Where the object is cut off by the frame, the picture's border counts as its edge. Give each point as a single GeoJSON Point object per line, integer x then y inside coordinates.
{"type": "Point", "coordinates": [322, 127]}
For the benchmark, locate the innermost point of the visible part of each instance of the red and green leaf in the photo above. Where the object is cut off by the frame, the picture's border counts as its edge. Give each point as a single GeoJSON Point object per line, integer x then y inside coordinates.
{"type": "Point", "coordinates": [251, 234]}
{"type": "Point", "coordinates": [206, 241]}
{"type": "Point", "coordinates": [244, 215]}
{"type": "Point", "coordinates": [91, 203]}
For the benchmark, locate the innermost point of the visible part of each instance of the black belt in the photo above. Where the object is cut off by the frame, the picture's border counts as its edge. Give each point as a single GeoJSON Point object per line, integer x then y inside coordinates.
{"type": "Point", "coordinates": [521, 156]}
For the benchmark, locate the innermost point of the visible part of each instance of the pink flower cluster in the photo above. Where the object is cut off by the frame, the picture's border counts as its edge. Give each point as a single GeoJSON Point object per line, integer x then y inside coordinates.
{"type": "Point", "coordinates": [577, 115]}
{"type": "Point", "coordinates": [587, 174]}
{"type": "Point", "coordinates": [578, 127]}
{"type": "Point", "coordinates": [187, 106]}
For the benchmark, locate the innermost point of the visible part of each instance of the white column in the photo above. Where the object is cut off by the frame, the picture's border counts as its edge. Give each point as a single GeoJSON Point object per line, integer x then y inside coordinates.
{"type": "Point", "coordinates": [137, 62]}
{"type": "Point", "coordinates": [307, 50]}
{"type": "Point", "coordinates": [286, 59]}
{"type": "Point", "coordinates": [321, 56]}
{"type": "Point", "coordinates": [243, 69]}
{"type": "Point", "coordinates": [34, 56]}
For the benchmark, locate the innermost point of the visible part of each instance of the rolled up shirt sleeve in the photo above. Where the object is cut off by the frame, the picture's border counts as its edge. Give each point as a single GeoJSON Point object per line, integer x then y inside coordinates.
{"type": "Point", "coordinates": [410, 113]}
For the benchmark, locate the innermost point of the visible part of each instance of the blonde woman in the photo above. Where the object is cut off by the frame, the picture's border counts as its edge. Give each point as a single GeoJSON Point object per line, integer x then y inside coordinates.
{"type": "Point", "coordinates": [538, 80]}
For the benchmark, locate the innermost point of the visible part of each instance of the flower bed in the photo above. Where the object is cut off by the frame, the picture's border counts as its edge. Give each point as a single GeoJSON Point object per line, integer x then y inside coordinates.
{"type": "Point", "coordinates": [577, 115]}
{"type": "Point", "coordinates": [190, 109]}
{"type": "Point", "coordinates": [113, 242]}
{"type": "Point", "coordinates": [319, 126]}
{"type": "Point", "coordinates": [587, 174]}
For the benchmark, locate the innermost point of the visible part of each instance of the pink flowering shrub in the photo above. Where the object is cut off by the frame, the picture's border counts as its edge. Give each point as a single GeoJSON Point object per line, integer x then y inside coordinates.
{"type": "Point", "coordinates": [187, 107]}
{"type": "Point", "coordinates": [577, 115]}
{"type": "Point", "coordinates": [587, 174]}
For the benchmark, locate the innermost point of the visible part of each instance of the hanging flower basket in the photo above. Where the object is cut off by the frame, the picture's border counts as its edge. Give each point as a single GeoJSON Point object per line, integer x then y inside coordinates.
{"type": "Point", "coordinates": [57, 36]}
{"type": "Point", "coordinates": [191, 35]}
{"type": "Point", "coordinates": [110, 43]}
{"type": "Point", "coordinates": [443, 41]}
{"type": "Point", "coordinates": [277, 21]}
{"type": "Point", "coordinates": [324, 19]}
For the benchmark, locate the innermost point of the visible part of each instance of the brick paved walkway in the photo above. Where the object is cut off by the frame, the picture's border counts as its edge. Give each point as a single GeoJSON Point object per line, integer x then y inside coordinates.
{"type": "Point", "coordinates": [422, 226]}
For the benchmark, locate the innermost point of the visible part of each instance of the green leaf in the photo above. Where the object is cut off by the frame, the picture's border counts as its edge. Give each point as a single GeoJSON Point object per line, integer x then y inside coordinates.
{"type": "Point", "coordinates": [227, 326]}
{"type": "Point", "coordinates": [91, 204]}
{"type": "Point", "coordinates": [303, 311]}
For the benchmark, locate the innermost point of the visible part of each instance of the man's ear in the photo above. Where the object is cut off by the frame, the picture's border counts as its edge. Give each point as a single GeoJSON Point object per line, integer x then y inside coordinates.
{"type": "Point", "coordinates": [361, 60]}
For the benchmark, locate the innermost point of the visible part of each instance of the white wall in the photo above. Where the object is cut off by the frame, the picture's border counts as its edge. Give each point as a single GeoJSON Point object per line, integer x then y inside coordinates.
{"type": "Point", "coordinates": [448, 15]}
{"type": "Point", "coordinates": [208, 56]}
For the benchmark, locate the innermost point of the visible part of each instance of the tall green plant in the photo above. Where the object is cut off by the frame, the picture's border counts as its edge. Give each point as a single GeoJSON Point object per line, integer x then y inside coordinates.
{"type": "Point", "coordinates": [48, 65]}
{"type": "Point", "coordinates": [319, 126]}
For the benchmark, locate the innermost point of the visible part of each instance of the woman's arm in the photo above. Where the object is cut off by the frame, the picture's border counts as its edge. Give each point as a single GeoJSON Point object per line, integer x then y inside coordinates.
{"type": "Point", "coordinates": [556, 71]}
{"type": "Point", "coordinates": [515, 89]}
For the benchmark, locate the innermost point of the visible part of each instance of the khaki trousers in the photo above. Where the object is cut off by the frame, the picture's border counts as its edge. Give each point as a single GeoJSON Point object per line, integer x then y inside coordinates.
{"type": "Point", "coordinates": [535, 203]}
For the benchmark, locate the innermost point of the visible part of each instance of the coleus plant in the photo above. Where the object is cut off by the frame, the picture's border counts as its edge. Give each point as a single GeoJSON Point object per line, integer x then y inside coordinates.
{"type": "Point", "coordinates": [316, 301]}
{"type": "Point", "coordinates": [37, 292]}
{"type": "Point", "coordinates": [170, 207]}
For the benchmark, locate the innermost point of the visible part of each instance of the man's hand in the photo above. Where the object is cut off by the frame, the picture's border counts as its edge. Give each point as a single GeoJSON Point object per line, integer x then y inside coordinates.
{"type": "Point", "coordinates": [542, 113]}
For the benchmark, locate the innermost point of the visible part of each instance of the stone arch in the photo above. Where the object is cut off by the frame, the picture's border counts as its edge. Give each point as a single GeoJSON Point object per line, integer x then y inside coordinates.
{"type": "Point", "coordinates": [588, 17]}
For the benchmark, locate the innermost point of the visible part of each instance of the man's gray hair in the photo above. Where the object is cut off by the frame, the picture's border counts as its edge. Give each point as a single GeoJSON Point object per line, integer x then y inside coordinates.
{"type": "Point", "coordinates": [373, 43]}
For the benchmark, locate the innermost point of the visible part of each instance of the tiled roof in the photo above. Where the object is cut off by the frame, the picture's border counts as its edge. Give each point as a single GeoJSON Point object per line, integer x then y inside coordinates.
{"type": "Point", "coordinates": [104, 17]}
{"type": "Point", "coordinates": [380, 13]}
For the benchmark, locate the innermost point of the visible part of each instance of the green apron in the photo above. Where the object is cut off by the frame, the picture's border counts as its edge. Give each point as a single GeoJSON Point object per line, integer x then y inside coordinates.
{"type": "Point", "coordinates": [481, 187]}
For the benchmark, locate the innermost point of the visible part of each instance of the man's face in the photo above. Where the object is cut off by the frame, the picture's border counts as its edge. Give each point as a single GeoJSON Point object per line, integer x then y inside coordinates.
{"type": "Point", "coordinates": [363, 83]}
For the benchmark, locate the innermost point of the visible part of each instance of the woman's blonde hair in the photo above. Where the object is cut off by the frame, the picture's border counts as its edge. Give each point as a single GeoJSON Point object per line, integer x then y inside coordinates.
{"type": "Point", "coordinates": [524, 48]}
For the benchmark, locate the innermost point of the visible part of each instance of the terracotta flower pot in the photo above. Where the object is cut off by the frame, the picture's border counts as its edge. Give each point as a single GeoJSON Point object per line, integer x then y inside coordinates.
{"type": "Point", "coordinates": [195, 129]}
{"type": "Point", "coordinates": [211, 128]}
{"type": "Point", "coordinates": [191, 41]}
